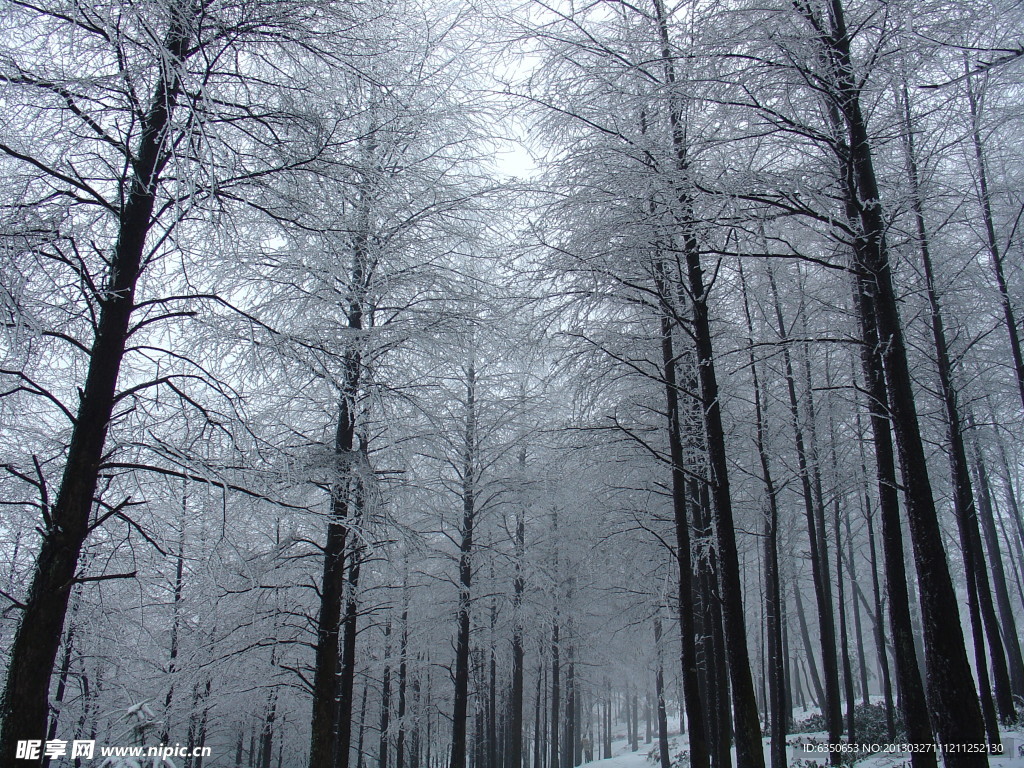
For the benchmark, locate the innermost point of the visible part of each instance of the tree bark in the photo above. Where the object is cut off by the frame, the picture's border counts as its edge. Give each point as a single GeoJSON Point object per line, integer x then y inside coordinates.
{"type": "Point", "coordinates": [883, 660]}
{"type": "Point", "coordinates": [816, 540]}
{"type": "Point", "coordinates": [776, 673]}
{"type": "Point", "coordinates": [461, 677]}
{"type": "Point", "coordinates": [385, 702]}
{"type": "Point", "coordinates": [403, 675]}
{"type": "Point", "coordinates": [913, 702]}
{"type": "Point", "coordinates": [659, 691]}
{"type": "Point", "coordinates": [515, 736]}
{"type": "Point", "coordinates": [329, 712]}
{"type": "Point", "coordinates": [361, 737]}
{"type": "Point", "coordinates": [33, 653]}
{"type": "Point", "coordinates": [805, 637]}
{"type": "Point", "coordinates": [957, 717]}
{"type": "Point", "coordinates": [1007, 624]}
{"type": "Point", "coordinates": [699, 757]}
{"type": "Point", "coordinates": [749, 753]}
{"type": "Point", "coordinates": [992, 243]}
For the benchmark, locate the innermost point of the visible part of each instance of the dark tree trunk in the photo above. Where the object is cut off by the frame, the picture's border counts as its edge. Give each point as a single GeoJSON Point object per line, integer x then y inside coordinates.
{"type": "Point", "coordinates": [492, 688]}
{"type": "Point", "coordinates": [956, 714]}
{"type": "Point", "coordinates": [883, 659]}
{"type": "Point", "coordinates": [747, 725]}
{"type": "Point", "coordinates": [992, 242]}
{"type": "Point", "coordinates": [403, 676]}
{"type": "Point", "coordinates": [571, 737]}
{"type": "Point", "coordinates": [347, 677]}
{"type": "Point", "coordinates": [805, 637]}
{"type": "Point", "coordinates": [773, 587]}
{"type": "Point", "coordinates": [172, 662]}
{"type": "Point", "coordinates": [1011, 500]}
{"type": "Point", "coordinates": [385, 702]}
{"type": "Point", "coordinates": [514, 757]}
{"type": "Point", "coordinates": [659, 692]}
{"type": "Point", "coordinates": [462, 650]}
{"type": "Point", "coordinates": [648, 724]}
{"type": "Point", "coordinates": [538, 740]}
{"type": "Point", "coordinates": [858, 626]}
{"type": "Point", "coordinates": [267, 739]}
{"type": "Point", "coordinates": [851, 728]}
{"type": "Point", "coordinates": [816, 540]}
{"type": "Point", "coordinates": [1008, 625]}
{"type": "Point", "coordinates": [332, 710]}
{"type": "Point", "coordinates": [979, 597]}
{"type": "Point", "coordinates": [428, 741]}
{"type": "Point", "coordinates": [62, 684]}
{"type": "Point", "coordinates": [33, 653]}
{"type": "Point", "coordinates": [714, 649]}
{"type": "Point", "coordinates": [556, 699]}
{"type": "Point", "coordinates": [239, 747]}
{"type": "Point", "coordinates": [798, 686]}
{"type": "Point", "coordinates": [787, 664]}
{"type": "Point", "coordinates": [361, 738]}
{"type": "Point", "coordinates": [912, 699]}
{"type": "Point", "coordinates": [417, 708]}
{"type": "Point", "coordinates": [607, 752]}
{"type": "Point", "coordinates": [578, 723]}
{"type": "Point", "coordinates": [200, 719]}
{"type": "Point", "coordinates": [634, 726]}
{"type": "Point", "coordinates": [699, 757]}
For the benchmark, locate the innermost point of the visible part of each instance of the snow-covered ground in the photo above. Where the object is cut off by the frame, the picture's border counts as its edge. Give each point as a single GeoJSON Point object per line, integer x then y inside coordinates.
{"type": "Point", "coordinates": [622, 757]}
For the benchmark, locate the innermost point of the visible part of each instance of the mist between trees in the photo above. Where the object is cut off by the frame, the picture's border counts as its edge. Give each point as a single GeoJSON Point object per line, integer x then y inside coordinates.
{"type": "Point", "coordinates": [329, 441]}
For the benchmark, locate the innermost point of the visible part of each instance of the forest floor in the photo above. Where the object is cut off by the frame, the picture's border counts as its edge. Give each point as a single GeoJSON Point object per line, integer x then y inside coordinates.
{"type": "Point", "coordinates": [646, 755]}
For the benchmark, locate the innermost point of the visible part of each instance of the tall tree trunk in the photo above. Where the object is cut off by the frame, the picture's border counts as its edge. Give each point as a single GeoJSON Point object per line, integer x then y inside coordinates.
{"type": "Point", "coordinates": [607, 751]}
{"type": "Point", "coordinates": [659, 691]}
{"type": "Point", "coordinates": [819, 571]}
{"type": "Point", "coordinates": [267, 736]}
{"type": "Point", "coordinates": [577, 717]}
{"type": "Point", "coordinates": [514, 757]}
{"type": "Point", "coordinates": [956, 714]}
{"type": "Point", "coordinates": [492, 687]}
{"type": "Point", "coordinates": [361, 737]}
{"type": "Point", "coordinates": [403, 676]}
{"type": "Point", "coordinates": [556, 666]}
{"type": "Point", "coordinates": [773, 586]}
{"type": "Point", "coordinates": [979, 595]}
{"type": "Point", "coordinates": [991, 241]}
{"type": "Point", "coordinates": [172, 662]}
{"type": "Point", "coordinates": [428, 740]}
{"type": "Point", "coordinates": [347, 676]}
{"type": "Point", "coordinates": [699, 757]}
{"type": "Point", "coordinates": [569, 743]}
{"type": "Point", "coordinates": [1008, 625]}
{"type": "Point", "coordinates": [634, 726]}
{"type": "Point", "coordinates": [913, 703]}
{"type": "Point", "coordinates": [62, 676]}
{"type": "Point", "coordinates": [883, 660]}
{"type": "Point", "coordinates": [851, 727]}
{"type": "Point", "coordinates": [538, 741]}
{"type": "Point", "coordinates": [648, 724]}
{"type": "Point", "coordinates": [415, 741]}
{"type": "Point", "coordinates": [1011, 498]}
{"type": "Point", "coordinates": [749, 753]}
{"type": "Point", "coordinates": [328, 747]}
{"type": "Point", "coordinates": [33, 653]}
{"type": "Point", "coordinates": [851, 724]}
{"type": "Point", "coordinates": [462, 650]}
{"type": "Point", "coordinates": [805, 637]}
{"type": "Point", "coordinates": [385, 701]}
{"type": "Point", "coordinates": [858, 627]}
